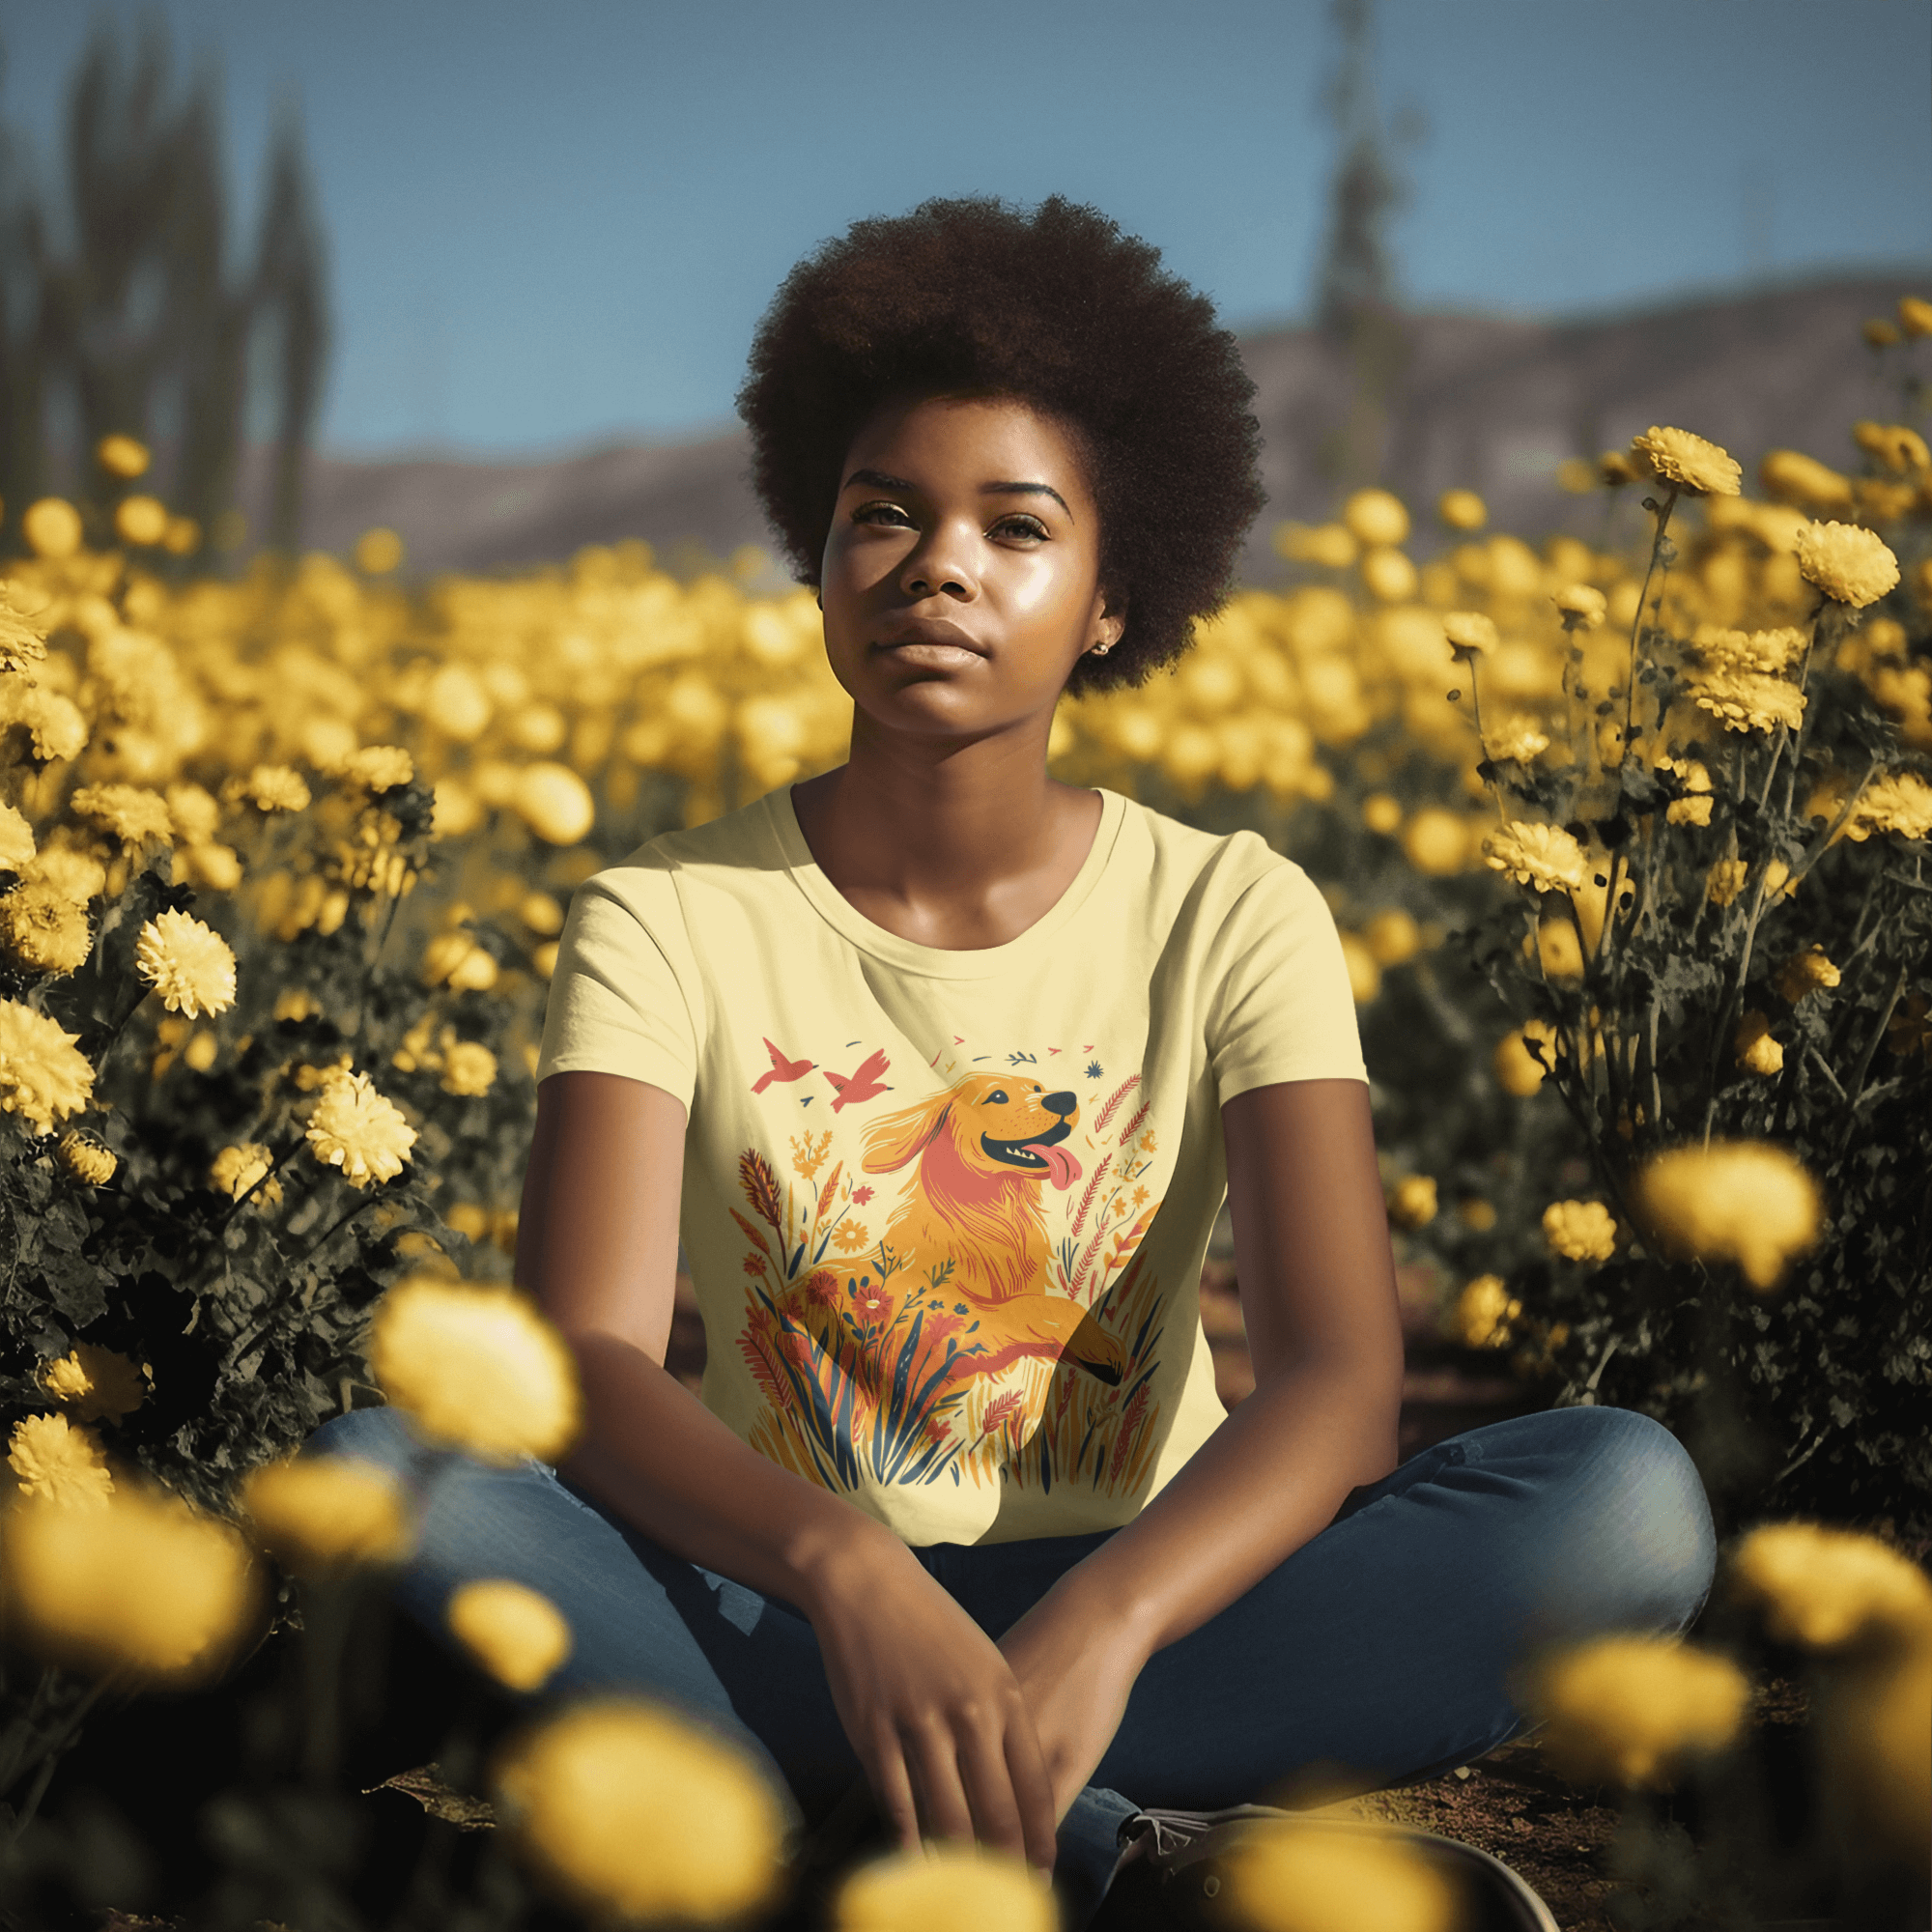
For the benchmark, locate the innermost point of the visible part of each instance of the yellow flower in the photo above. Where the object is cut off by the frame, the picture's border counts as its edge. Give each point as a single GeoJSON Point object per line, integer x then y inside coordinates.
{"type": "Point", "coordinates": [1793, 478]}
{"type": "Point", "coordinates": [476, 1367]}
{"type": "Point", "coordinates": [55, 727]}
{"type": "Point", "coordinates": [1413, 1202]}
{"type": "Point", "coordinates": [1382, 813]}
{"type": "Point", "coordinates": [143, 1585]}
{"type": "Point", "coordinates": [1388, 576]}
{"type": "Point", "coordinates": [1615, 469]}
{"type": "Point", "coordinates": [77, 876]}
{"type": "Point", "coordinates": [1687, 462]}
{"type": "Point", "coordinates": [1483, 1313]}
{"type": "Point", "coordinates": [945, 1888]}
{"type": "Point", "coordinates": [326, 1514]}
{"type": "Point", "coordinates": [122, 456]}
{"type": "Point", "coordinates": [273, 788]}
{"type": "Point", "coordinates": [1582, 607]}
{"type": "Point", "coordinates": [1329, 546]}
{"type": "Point", "coordinates": [43, 930]}
{"type": "Point", "coordinates": [377, 768]}
{"type": "Point", "coordinates": [1518, 1068]}
{"type": "Point", "coordinates": [94, 1381]}
{"type": "Point", "coordinates": [51, 527]}
{"type": "Point", "coordinates": [41, 1077]}
{"type": "Point", "coordinates": [1878, 332]}
{"type": "Point", "coordinates": [236, 1168]}
{"type": "Point", "coordinates": [142, 521]}
{"type": "Point", "coordinates": [17, 842]}
{"type": "Point", "coordinates": [517, 1635]}
{"type": "Point", "coordinates": [1850, 565]}
{"type": "Point", "coordinates": [555, 803]}
{"type": "Point", "coordinates": [1628, 1709]}
{"type": "Point", "coordinates": [1762, 651]}
{"type": "Point", "coordinates": [1580, 1230]}
{"type": "Point", "coordinates": [55, 1462]}
{"type": "Point", "coordinates": [1461, 509]}
{"type": "Point", "coordinates": [1476, 1215]}
{"type": "Point", "coordinates": [542, 914]}
{"type": "Point", "coordinates": [378, 551]}
{"type": "Point", "coordinates": [1311, 1875]}
{"type": "Point", "coordinates": [1742, 1201]}
{"type": "Point", "coordinates": [1892, 445]}
{"type": "Point", "coordinates": [1470, 634]}
{"type": "Point", "coordinates": [468, 1068]}
{"type": "Point", "coordinates": [1695, 807]}
{"type": "Point", "coordinates": [1826, 1588]}
{"type": "Point", "coordinates": [1726, 881]}
{"type": "Point", "coordinates": [1558, 948]}
{"type": "Point", "coordinates": [133, 813]}
{"type": "Point", "coordinates": [297, 1003]}
{"type": "Point", "coordinates": [1897, 802]}
{"type": "Point", "coordinates": [1520, 739]}
{"type": "Point", "coordinates": [188, 964]}
{"type": "Point", "coordinates": [1393, 937]}
{"type": "Point", "coordinates": [454, 959]}
{"type": "Point", "coordinates": [1914, 315]}
{"type": "Point", "coordinates": [1375, 516]}
{"type": "Point", "coordinates": [358, 1130]}
{"type": "Point", "coordinates": [1757, 1050]}
{"type": "Point", "coordinates": [1806, 973]}
{"type": "Point", "coordinates": [1365, 975]}
{"type": "Point", "coordinates": [585, 1797]}
{"type": "Point", "coordinates": [852, 1239]}
{"type": "Point", "coordinates": [86, 1159]}
{"type": "Point", "coordinates": [1543, 856]}
{"type": "Point", "coordinates": [22, 639]}
{"type": "Point", "coordinates": [1742, 701]}
{"type": "Point", "coordinates": [1435, 842]}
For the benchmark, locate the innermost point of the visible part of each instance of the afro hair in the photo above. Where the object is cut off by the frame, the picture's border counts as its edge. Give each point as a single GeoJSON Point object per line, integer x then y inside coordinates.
{"type": "Point", "coordinates": [1059, 310]}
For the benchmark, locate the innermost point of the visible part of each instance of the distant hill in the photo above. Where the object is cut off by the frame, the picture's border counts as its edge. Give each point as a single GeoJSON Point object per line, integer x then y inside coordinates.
{"type": "Point", "coordinates": [1489, 403]}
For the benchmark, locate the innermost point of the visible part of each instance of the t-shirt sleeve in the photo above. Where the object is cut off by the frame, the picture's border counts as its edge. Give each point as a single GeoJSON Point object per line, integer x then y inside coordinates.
{"type": "Point", "coordinates": [618, 1003]}
{"type": "Point", "coordinates": [1283, 1008]}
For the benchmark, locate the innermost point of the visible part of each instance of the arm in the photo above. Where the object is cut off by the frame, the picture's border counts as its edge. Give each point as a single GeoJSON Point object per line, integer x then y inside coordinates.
{"type": "Point", "coordinates": [1318, 1290]}
{"type": "Point", "coordinates": [932, 1707]}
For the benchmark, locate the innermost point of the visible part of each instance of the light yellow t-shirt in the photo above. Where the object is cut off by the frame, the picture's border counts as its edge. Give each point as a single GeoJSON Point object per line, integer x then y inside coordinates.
{"type": "Point", "coordinates": [946, 1211]}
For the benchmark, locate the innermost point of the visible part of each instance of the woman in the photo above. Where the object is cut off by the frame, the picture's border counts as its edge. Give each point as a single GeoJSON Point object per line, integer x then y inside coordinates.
{"type": "Point", "coordinates": [945, 1069]}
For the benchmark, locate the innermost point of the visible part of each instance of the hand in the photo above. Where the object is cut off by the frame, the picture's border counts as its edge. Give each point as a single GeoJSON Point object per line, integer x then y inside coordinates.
{"type": "Point", "coordinates": [1075, 1667]}
{"type": "Point", "coordinates": [932, 1707]}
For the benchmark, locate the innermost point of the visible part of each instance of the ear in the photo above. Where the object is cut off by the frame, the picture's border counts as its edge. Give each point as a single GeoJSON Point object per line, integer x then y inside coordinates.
{"type": "Point", "coordinates": [896, 1139]}
{"type": "Point", "coordinates": [1110, 623]}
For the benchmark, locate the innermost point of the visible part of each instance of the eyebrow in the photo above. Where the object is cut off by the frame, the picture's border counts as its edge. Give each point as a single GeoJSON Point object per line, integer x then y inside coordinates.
{"type": "Point", "coordinates": [877, 479]}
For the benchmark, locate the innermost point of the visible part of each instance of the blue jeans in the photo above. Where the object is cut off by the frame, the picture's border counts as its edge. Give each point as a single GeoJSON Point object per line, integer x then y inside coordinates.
{"type": "Point", "coordinates": [1380, 1653]}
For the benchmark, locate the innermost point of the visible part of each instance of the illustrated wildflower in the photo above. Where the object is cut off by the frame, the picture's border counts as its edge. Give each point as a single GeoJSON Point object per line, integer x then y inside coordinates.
{"type": "Point", "coordinates": [43, 930]}
{"type": "Point", "coordinates": [1295, 1875]}
{"type": "Point", "coordinates": [91, 1382]}
{"type": "Point", "coordinates": [43, 1078]}
{"type": "Point", "coordinates": [1413, 1201]}
{"type": "Point", "coordinates": [1483, 1312]}
{"type": "Point", "coordinates": [468, 1069]}
{"type": "Point", "coordinates": [478, 1368]}
{"type": "Point", "coordinates": [1521, 739]}
{"type": "Point", "coordinates": [514, 1632]}
{"type": "Point", "coordinates": [141, 1584]}
{"type": "Point", "coordinates": [1828, 1588]}
{"type": "Point", "coordinates": [584, 1797]}
{"type": "Point", "coordinates": [133, 813]}
{"type": "Point", "coordinates": [322, 1516]}
{"type": "Point", "coordinates": [1744, 700]}
{"type": "Point", "coordinates": [1687, 462]}
{"type": "Point", "coordinates": [1850, 565]}
{"type": "Point", "coordinates": [86, 1159]}
{"type": "Point", "coordinates": [273, 788]}
{"type": "Point", "coordinates": [1628, 1709]}
{"type": "Point", "coordinates": [188, 964]}
{"type": "Point", "coordinates": [1746, 1202]}
{"type": "Point", "coordinates": [944, 1888]}
{"type": "Point", "coordinates": [1470, 634]}
{"type": "Point", "coordinates": [56, 1462]}
{"type": "Point", "coordinates": [1806, 973]}
{"type": "Point", "coordinates": [1461, 509]}
{"type": "Point", "coordinates": [358, 1130]}
{"type": "Point", "coordinates": [1693, 807]}
{"type": "Point", "coordinates": [236, 1168]}
{"type": "Point", "coordinates": [1581, 606]}
{"type": "Point", "coordinates": [1580, 1230]}
{"type": "Point", "coordinates": [1756, 1047]}
{"type": "Point", "coordinates": [1543, 856]}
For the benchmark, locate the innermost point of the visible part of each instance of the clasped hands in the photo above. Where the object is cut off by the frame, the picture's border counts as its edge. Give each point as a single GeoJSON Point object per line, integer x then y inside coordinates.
{"type": "Point", "coordinates": [962, 1738]}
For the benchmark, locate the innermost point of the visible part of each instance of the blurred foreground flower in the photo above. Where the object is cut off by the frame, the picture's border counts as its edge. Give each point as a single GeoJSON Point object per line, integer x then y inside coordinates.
{"type": "Point", "coordinates": [356, 1129]}
{"type": "Point", "coordinates": [630, 1812]}
{"type": "Point", "coordinates": [189, 964]}
{"type": "Point", "coordinates": [516, 1633]}
{"type": "Point", "coordinates": [1826, 1588]}
{"type": "Point", "coordinates": [326, 1514]}
{"type": "Point", "coordinates": [1629, 1709]}
{"type": "Point", "coordinates": [1746, 1202]}
{"type": "Point", "coordinates": [1483, 1313]}
{"type": "Point", "coordinates": [144, 1586]}
{"type": "Point", "coordinates": [946, 1888]}
{"type": "Point", "coordinates": [54, 1461]}
{"type": "Point", "coordinates": [94, 1381]}
{"type": "Point", "coordinates": [1308, 1876]}
{"type": "Point", "coordinates": [477, 1368]}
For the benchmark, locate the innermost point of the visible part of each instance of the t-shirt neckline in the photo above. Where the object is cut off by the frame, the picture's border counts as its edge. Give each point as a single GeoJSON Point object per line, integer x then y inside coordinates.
{"type": "Point", "coordinates": [939, 962]}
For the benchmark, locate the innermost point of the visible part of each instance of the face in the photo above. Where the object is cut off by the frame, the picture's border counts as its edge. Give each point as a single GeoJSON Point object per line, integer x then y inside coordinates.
{"type": "Point", "coordinates": [961, 572]}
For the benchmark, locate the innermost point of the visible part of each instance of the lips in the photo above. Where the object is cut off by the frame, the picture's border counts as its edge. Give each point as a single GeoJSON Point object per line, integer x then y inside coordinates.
{"type": "Point", "coordinates": [929, 635]}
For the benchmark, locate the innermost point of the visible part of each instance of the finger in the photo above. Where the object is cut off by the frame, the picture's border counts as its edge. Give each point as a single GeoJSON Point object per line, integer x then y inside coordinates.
{"type": "Point", "coordinates": [1033, 1793]}
{"type": "Point", "coordinates": [989, 1791]}
{"type": "Point", "coordinates": [933, 1756]}
{"type": "Point", "coordinates": [892, 1785]}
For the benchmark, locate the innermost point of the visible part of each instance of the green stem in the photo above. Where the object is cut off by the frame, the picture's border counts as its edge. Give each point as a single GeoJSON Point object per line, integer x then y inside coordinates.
{"type": "Point", "coordinates": [1636, 623]}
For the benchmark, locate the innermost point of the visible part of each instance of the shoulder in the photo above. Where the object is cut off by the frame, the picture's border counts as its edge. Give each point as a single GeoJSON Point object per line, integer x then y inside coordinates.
{"type": "Point", "coordinates": [1216, 868]}
{"type": "Point", "coordinates": [740, 845]}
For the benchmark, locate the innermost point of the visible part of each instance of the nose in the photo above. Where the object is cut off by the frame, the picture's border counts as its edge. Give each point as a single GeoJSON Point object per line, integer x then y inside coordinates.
{"type": "Point", "coordinates": [937, 565]}
{"type": "Point", "coordinates": [1062, 1104]}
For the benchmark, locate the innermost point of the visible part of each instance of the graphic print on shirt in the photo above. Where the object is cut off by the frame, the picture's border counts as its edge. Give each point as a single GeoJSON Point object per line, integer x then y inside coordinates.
{"type": "Point", "coordinates": [962, 1295]}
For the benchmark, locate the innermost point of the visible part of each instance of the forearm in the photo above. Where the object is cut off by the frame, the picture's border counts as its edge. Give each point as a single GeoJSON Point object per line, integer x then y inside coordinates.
{"type": "Point", "coordinates": [1268, 1480]}
{"type": "Point", "coordinates": [654, 1454]}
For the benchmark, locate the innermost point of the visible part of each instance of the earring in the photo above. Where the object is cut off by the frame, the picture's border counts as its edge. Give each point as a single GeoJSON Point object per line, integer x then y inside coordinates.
{"type": "Point", "coordinates": [1101, 650]}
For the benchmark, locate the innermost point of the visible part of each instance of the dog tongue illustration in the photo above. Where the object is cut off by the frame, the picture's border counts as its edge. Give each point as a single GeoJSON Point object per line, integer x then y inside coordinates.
{"type": "Point", "coordinates": [1060, 1165]}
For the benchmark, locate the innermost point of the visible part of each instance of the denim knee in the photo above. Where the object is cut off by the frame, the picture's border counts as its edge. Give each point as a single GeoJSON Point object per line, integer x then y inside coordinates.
{"type": "Point", "coordinates": [1631, 1546]}
{"type": "Point", "coordinates": [370, 1434]}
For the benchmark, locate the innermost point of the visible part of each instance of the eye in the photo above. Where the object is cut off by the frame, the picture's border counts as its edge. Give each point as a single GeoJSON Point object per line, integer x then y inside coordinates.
{"type": "Point", "coordinates": [880, 513]}
{"type": "Point", "coordinates": [997, 1097]}
{"type": "Point", "coordinates": [1021, 526]}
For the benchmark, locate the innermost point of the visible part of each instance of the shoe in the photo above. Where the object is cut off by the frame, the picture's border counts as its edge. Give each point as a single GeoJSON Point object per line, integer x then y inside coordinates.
{"type": "Point", "coordinates": [1174, 1863]}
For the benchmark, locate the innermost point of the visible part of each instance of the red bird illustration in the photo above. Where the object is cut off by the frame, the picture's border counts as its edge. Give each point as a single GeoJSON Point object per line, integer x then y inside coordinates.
{"type": "Point", "coordinates": [863, 1084]}
{"type": "Point", "coordinates": [781, 1070]}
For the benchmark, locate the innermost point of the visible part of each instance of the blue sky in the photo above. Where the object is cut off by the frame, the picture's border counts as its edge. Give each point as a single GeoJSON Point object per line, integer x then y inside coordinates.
{"type": "Point", "coordinates": [556, 225]}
